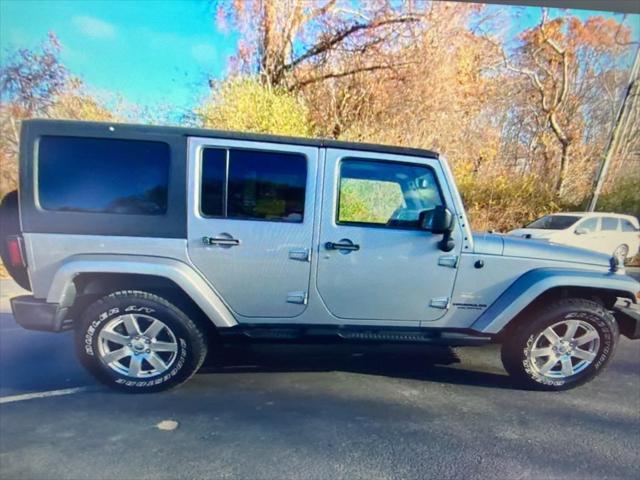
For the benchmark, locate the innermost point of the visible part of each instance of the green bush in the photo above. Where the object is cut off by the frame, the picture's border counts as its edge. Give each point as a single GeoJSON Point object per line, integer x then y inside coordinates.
{"type": "Point", "coordinates": [368, 201]}
{"type": "Point", "coordinates": [244, 104]}
{"type": "Point", "coordinates": [504, 202]}
{"type": "Point", "coordinates": [622, 197]}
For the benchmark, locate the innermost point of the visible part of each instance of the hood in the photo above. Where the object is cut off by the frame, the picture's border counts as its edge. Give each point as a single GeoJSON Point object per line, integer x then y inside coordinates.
{"type": "Point", "coordinates": [510, 246]}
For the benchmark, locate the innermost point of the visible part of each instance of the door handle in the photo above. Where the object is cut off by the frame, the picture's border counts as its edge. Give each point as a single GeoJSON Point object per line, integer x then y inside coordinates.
{"type": "Point", "coordinates": [222, 241]}
{"type": "Point", "coordinates": [341, 246]}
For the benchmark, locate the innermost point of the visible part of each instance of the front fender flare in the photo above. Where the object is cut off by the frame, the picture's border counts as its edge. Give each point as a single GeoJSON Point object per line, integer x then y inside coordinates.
{"type": "Point", "coordinates": [534, 283]}
{"type": "Point", "coordinates": [63, 291]}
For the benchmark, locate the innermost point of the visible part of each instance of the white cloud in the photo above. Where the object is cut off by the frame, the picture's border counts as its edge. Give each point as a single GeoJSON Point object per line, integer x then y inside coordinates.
{"type": "Point", "coordinates": [204, 52]}
{"type": "Point", "coordinates": [94, 27]}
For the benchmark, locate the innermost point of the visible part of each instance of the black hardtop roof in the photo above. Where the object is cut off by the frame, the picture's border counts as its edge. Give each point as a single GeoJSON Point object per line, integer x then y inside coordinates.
{"type": "Point", "coordinates": [141, 130]}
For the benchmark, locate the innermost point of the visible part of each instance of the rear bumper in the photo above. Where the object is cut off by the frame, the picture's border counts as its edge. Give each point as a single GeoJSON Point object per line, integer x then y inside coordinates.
{"type": "Point", "coordinates": [628, 317]}
{"type": "Point", "coordinates": [36, 314]}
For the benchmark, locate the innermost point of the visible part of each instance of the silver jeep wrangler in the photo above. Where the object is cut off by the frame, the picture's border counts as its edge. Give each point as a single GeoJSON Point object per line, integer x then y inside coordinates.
{"type": "Point", "coordinates": [151, 242]}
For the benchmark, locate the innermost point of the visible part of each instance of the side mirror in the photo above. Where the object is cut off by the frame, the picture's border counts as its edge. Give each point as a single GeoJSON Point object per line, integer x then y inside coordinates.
{"type": "Point", "coordinates": [439, 221]}
{"type": "Point", "coordinates": [580, 231]}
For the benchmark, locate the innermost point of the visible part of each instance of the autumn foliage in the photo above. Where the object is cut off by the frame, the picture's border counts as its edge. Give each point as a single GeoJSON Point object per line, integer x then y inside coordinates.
{"type": "Point", "coordinates": [523, 117]}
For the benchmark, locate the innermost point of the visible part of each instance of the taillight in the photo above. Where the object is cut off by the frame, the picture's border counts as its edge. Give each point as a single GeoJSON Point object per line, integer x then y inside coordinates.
{"type": "Point", "coordinates": [14, 250]}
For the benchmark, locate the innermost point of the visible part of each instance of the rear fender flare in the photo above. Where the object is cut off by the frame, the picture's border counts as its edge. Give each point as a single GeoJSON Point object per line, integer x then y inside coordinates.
{"type": "Point", "coordinates": [63, 290]}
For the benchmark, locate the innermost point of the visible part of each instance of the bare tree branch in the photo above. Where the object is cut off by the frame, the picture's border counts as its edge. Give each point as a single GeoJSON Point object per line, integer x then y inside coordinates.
{"type": "Point", "coordinates": [347, 73]}
{"type": "Point", "coordinates": [338, 37]}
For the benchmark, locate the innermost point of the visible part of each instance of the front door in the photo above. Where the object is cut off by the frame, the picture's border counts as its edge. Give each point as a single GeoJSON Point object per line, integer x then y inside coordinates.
{"type": "Point", "coordinates": [586, 233]}
{"type": "Point", "coordinates": [251, 223]}
{"type": "Point", "coordinates": [375, 263]}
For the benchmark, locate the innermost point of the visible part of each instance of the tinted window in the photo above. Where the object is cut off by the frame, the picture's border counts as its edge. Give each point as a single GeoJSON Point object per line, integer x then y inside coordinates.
{"type": "Point", "coordinates": [627, 226]}
{"type": "Point", "coordinates": [385, 193]}
{"type": "Point", "coordinates": [212, 194]}
{"type": "Point", "coordinates": [266, 185]}
{"type": "Point", "coordinates": [103, 175]}
{"type": "Point", "coordinates": [590, 225]}
{"type": "Point", "coordinates": [260, 185]}
{"type": "Point", "coordinates": [609, 224]}
{"type": "Point", "coordinates": [554, 222]}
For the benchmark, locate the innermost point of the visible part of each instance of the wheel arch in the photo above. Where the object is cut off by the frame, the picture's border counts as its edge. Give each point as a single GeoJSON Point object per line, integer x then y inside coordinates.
{"type": "Point", "coordinates": [538, 287]}
{"type": "Point", "coordinates": [84, 278]}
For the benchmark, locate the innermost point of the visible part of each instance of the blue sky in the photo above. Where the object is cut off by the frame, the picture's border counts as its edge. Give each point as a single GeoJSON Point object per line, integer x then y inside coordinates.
{"type": "Point", "coordinates": [152, 52]}
{"type": "Point", "coordinates": [149, 51]}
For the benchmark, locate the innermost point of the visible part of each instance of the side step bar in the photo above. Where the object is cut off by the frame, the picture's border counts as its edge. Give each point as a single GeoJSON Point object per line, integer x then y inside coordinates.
{"type": "Point", "coordinates": [281, 333]}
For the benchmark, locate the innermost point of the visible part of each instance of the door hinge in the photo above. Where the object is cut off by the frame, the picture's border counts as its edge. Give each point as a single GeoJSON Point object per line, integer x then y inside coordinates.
{"type": "Point", "coordinates": [448, 261]}
{"type": "Point", "coordinates": [439, 302]}
{"type": "Point", "coordinates": [300, 254]}
{"type": "Point", "coordinates": [297, 297]}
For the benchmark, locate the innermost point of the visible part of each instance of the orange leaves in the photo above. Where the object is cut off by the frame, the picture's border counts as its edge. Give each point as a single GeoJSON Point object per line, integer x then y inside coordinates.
{"type": "Point", "coordinates": [598, 32]}
{"type": "Point", "coordinates": [550, 30]}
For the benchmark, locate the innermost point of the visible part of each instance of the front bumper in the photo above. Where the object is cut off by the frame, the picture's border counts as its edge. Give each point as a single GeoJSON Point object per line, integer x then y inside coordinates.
{"type": "Point", "coordinates": [628, 316]}
{"type": "Point", "coordinates": [36, 314]}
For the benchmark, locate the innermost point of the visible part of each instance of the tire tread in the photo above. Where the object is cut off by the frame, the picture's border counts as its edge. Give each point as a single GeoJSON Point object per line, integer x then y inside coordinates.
{"type": "Point", "coordinates": [194, 327]}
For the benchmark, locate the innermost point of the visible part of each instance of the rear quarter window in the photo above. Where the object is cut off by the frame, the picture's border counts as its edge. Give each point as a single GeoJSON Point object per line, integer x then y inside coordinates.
{"type": "Point", "coordinates": [102, 175]}
{"type": "Point", "coordinates": [627, 226]}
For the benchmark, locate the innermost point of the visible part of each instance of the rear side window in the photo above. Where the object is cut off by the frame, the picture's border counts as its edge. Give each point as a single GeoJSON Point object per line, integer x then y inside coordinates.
{"type": "Point", "coordinates": [627, 226]}
{"type": "Point", "coordinates": [253, 185]}
{"type": "Point", "coordinates": [609, 224]}
{"type": "Point", "coordinates": [213, 187]}
{"type": "Point", "coordinates": [102, 175]}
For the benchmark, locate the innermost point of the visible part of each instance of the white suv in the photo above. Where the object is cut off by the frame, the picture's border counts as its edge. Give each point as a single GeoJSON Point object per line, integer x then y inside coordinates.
{"type": "Point", "coordinates": [609, 233]}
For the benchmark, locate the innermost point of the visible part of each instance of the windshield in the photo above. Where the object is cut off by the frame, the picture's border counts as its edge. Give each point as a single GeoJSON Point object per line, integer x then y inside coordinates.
{"type": "Point", "coordinates": [554, 222]}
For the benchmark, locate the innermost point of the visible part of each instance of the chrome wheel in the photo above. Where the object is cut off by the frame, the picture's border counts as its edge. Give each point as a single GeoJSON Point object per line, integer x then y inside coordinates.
{"type": "Point", "coordinates": [621, 252]}
{"type": "Point", "coordinates": [564, 349]}
{"type": "Point", "coordinates": [137, 345]}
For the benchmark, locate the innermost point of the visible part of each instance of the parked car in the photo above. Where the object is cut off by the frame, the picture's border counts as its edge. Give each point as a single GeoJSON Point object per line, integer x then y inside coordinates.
{"type": "Point", "coordinates": [609, 233]}
{"type": "Point", "coordinates": [150, 241]}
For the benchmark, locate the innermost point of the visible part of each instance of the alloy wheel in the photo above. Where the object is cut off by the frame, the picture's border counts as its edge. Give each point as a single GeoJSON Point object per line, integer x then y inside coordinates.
{"type": "Point", "coordinates": [564, 349]}
{"type": "Point", "coordinates": [137, 345]}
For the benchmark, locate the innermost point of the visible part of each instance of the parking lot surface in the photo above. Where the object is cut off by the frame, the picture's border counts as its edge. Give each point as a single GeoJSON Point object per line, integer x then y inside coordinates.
{"type": "Point", "coordinates": [312, 411]}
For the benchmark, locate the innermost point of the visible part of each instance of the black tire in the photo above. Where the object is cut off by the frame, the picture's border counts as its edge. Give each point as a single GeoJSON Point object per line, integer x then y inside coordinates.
{"type": "Point", "coordinates": [517, 346]}
{"type": "Point", "coordinates": [190, 338]}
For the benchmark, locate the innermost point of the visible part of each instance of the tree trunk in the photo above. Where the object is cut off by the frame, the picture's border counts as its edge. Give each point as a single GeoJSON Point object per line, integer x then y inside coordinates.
{"type": "Point", "coordinates": [564, 164]}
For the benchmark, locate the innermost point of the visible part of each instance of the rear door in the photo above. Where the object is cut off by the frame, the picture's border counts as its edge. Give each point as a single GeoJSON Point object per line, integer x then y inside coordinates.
{"type": "Point", "coordinates": [374, 262]}
{"type": "Point", "coordinates": [250, 223]}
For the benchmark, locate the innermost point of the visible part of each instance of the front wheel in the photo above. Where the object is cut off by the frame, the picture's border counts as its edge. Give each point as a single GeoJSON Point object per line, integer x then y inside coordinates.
{"type": "Point", "coordinates": [563, 346]}
{"type": "Point", "coordinates": [621, 252]}
{"type": "Point", "coordinates": [139, 342]}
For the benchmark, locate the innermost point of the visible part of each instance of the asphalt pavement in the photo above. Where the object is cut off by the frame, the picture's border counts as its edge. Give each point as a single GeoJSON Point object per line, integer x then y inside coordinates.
{"type": "Point", "coordinates": [312, 411]}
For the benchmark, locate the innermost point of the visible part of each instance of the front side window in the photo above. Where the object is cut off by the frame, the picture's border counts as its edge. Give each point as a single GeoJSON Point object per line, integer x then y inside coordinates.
{"type": "Point", "coordinates": [102, 175]}
{"type": "Point", "coordinates": [385, 194]}
{"type": "Point", "coordinates": [253, 185]}
{"type": "Point", "coordinates": [609, 224]}
{"type": "Point", "coordinates": [590, 225]}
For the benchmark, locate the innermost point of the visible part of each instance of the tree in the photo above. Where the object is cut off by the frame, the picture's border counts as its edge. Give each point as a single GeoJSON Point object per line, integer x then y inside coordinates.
{"type": "Point", "coordinates": [567, 62]}
{"type": "Point", "coordinates": [35, 83]}
{"type": "Point", "coordinates": [293, 43]}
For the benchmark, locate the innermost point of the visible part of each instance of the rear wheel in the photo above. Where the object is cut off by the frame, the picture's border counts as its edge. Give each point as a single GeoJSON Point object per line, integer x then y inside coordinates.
{"type": "Point", "coordinates": [139, 342]}
{"type": "Point", "coordinates": [564, 346]}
